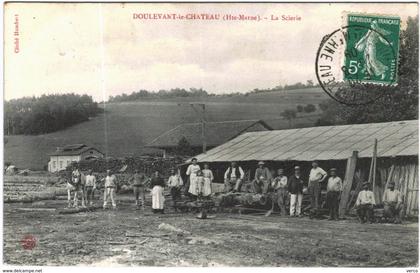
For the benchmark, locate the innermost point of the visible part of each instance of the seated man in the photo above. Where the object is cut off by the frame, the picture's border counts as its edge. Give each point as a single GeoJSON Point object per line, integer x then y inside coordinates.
{"type": "Point", "coordinates": [364, 204]}
{"type": "Point", "coordinates": [234, 176]}
{"type": "Point", "coordinates": [261, 182]}
{"type": "Point", "coordinates": [392, 203]}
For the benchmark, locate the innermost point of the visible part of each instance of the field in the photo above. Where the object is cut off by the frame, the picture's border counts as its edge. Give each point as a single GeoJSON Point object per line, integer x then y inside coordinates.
{"type": "Point", "coordinates": [125, 128]}
{"type": "Point", "coordinates": [134, 238]}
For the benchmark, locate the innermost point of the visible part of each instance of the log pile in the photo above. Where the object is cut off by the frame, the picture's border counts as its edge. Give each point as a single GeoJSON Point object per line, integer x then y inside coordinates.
{"type": "Point", "coordinates": [146, 164]}
{"type": "Point", "coordinates": [30, 189]}
{"type": "Point", "coordinates": [245, 199]}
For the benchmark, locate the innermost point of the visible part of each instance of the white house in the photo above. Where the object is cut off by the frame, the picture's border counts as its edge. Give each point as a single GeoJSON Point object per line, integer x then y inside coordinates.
{"type": "Point", "coordinates": [63, 156]}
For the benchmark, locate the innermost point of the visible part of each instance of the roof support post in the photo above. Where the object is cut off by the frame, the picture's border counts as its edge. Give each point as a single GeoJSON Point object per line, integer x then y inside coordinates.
{"type": "Point", "coordinates": [203, 123]}
{"type": "Point", "coordinates": [348, 181]}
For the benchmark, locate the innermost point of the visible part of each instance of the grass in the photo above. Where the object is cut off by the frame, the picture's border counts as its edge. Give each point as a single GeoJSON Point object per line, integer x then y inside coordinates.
{"type": "Point", "coordinates": [131, 125]}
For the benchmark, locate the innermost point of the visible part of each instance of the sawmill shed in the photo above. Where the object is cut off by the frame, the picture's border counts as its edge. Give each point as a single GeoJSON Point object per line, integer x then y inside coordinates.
{"type": "Point", "coordinates": [349, 148]}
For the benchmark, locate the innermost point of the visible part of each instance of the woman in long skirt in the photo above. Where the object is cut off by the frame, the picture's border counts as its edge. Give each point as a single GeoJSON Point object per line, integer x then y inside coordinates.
{"type": "Point", "coordinates": [208, 179]}
{"type": "Point", "coordinates": [192, 172]}
{"type": "Point", "coordinates": [157, 184]}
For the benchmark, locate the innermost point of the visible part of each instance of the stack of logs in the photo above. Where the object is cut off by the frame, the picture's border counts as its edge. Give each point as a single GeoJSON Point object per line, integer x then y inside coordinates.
{"type": "Point", "coordinates": [146, 164]}
{"type": "Point", "coordinates": [30, 188]}
{"type": "Point", "coordinates": [245, 199]}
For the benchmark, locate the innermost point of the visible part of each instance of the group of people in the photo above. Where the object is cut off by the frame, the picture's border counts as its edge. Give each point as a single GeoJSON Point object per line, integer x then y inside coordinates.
{"type": "Point", "coordinates": [286, 191]}
{"type": "Point", "coordinates": [392, 201]}
{"type": "Point", "coordinates": [289, 190]}
{"type": "Point", "coordinates": [83, 186]}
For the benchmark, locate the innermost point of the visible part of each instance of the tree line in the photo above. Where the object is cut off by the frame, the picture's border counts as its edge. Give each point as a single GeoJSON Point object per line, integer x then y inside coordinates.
{"type": "Point", "coordinates": [47, 113]}
{"type": "Point", "coordinates": [161, 94]}
{"type": "Point", "coordinates": [199, 92]}
{"type": "Point", "coordinates": [400, 102]}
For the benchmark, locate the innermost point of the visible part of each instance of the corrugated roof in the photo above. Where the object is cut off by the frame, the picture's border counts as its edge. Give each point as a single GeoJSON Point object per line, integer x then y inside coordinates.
{"type": "Point", "coordinates": [320, 143]}
{"type": "Point", "coordinates": [216, 133]}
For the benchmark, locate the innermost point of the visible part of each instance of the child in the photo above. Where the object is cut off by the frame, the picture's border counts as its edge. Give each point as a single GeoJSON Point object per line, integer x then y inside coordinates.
{"type": "Point", "coordinates": [208, 179]}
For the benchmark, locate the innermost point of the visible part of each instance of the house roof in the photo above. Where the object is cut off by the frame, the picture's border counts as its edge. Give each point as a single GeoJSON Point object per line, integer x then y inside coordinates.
{"type": "Point", "coordinates": [216, 133]}
{"type": "Point", "coordinates": [73, 149]}
{"type": "Point", "coordinates": [320, 143]}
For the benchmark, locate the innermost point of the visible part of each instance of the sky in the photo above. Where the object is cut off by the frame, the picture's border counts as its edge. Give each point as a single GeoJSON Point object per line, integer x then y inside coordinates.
{"type": "Point", "coordinates": [100, 50]}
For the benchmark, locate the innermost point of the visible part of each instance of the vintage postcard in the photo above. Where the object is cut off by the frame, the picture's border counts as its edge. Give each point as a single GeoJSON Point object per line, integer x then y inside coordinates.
{"type": "Point", "coordinates": [210, 135]}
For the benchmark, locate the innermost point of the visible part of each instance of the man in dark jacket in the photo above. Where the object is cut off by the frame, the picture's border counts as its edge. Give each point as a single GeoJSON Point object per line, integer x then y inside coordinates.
{"type": "Point", "coordinates": [295, 188]}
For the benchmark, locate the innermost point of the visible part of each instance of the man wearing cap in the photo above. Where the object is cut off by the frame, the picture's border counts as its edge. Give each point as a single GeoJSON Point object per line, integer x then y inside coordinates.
{"type": "Point", "coordinates": [316, 177]}
{"type": "Point", "coordinates": [392, 203]}
{"type": "Point", "coordinates": [110, 187]}
{"type": "Point", "coordinates": [295, 187]}
{"type": "Point", "coordinates": [334, 189]}
{"type": "Point", "coordinates": [364, 204]}
{"type": "Point", "coordinates": [139, 181]}
{"type": "Point", "coordinates": [261, 180]}
{"type": "Point", "coordinates": [279, 185]}
{"type": "Point", "coordinates": [175, 183]}
{"type": "Point", "coordinates": [234, 176]}
{"type": "Point", "coordinates": [90, 186]}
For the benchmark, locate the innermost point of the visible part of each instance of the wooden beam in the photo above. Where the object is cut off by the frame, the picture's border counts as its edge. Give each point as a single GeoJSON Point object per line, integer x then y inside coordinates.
{"type": "Point", "coordinates": [389, 178]}
{"type": "Point", "coordinates": [348, 181]}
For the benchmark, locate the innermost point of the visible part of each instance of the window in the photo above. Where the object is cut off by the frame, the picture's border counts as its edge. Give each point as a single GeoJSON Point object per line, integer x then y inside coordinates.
{"type": "Point", "coordinates": [61, 164]}
{"type": "Point", "coordinates": [54, 164]}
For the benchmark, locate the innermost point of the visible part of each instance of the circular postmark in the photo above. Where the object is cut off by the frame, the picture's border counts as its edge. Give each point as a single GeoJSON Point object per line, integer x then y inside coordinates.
{"type": "Point", "coordinates": [355, 64]}
{"type": "Point", "coordinates": [28, 242]}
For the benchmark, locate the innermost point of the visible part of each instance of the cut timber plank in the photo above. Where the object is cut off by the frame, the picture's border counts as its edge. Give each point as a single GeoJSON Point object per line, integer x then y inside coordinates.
{"type": "Point", "coordinates": [391, 172]}
{"type": "Point", "coordinates": [36, 209]}
{"type": "Point", "coordinates": [348, 181]}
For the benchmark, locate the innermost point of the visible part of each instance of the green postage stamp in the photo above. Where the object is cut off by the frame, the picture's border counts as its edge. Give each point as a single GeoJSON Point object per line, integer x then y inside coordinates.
{"type": "Point", "coordinates": [371, 54]}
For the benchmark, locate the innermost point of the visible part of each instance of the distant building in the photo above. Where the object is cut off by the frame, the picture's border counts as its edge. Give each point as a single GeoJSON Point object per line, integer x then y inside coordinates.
{"type": "Point", "coordinates": [64, 156]}
{"type": "Point", "coordinates": [216, 133]}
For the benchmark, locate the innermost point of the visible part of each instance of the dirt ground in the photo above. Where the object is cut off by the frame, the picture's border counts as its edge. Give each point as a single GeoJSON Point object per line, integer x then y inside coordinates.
{"type": "Point", "coordinates": [130, 237]}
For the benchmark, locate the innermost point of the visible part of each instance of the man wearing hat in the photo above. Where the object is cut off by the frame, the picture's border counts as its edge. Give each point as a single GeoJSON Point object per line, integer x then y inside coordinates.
{"type": "Point", "coordinates": [295, 187]}
{"type": "Point", "coordinates": [261, 180]}
{"type": "Point", "coordinates": [334, 189]}
{"type": "Point", "coordinates": [364, 204]}
{"type": "Point", "coordinates": [316, 176]}
{"type": "Point", "coordinates": [234, 176]}
{"type": "Point", "coordinates": [90, 186]}
{"type": "Point", "coordinates": [279, 184]}
{"type": "Point", "coordinates": [392, 203]}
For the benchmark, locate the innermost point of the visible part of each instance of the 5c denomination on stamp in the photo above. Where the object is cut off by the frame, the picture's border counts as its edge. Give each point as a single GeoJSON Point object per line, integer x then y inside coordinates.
{"type": "Point", "coordinates": [355, 57]}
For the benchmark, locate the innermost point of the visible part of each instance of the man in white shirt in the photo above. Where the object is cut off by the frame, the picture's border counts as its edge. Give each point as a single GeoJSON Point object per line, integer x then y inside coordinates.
{"type": "Point", "coordinates": [334, 189]}
{"type": "Point", "coordinates": [234, 176]}
{"type": "Point", "coordinates": [279, 185]}
{"type": "Point", "coordinates": [175, 183]}
{"type": "Point", "coordinates": [392, 203]}
{"type": "Point", "coordinates": [364, 204]}
{"type": "Point", "coordinates": [316, 176]}
{"type": "Point", "coordinates": [90, 186]}
{"type": "Point", "coordinates": [110, 188]}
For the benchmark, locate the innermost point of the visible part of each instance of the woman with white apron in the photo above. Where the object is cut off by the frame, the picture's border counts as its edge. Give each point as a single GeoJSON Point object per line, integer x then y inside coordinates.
{"type": "Point", "coordinates": [157, 184]}
{"type": "Point", "coordinates": [208, 179]}
{"type": "Point", "coordinates": [192, 172]}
